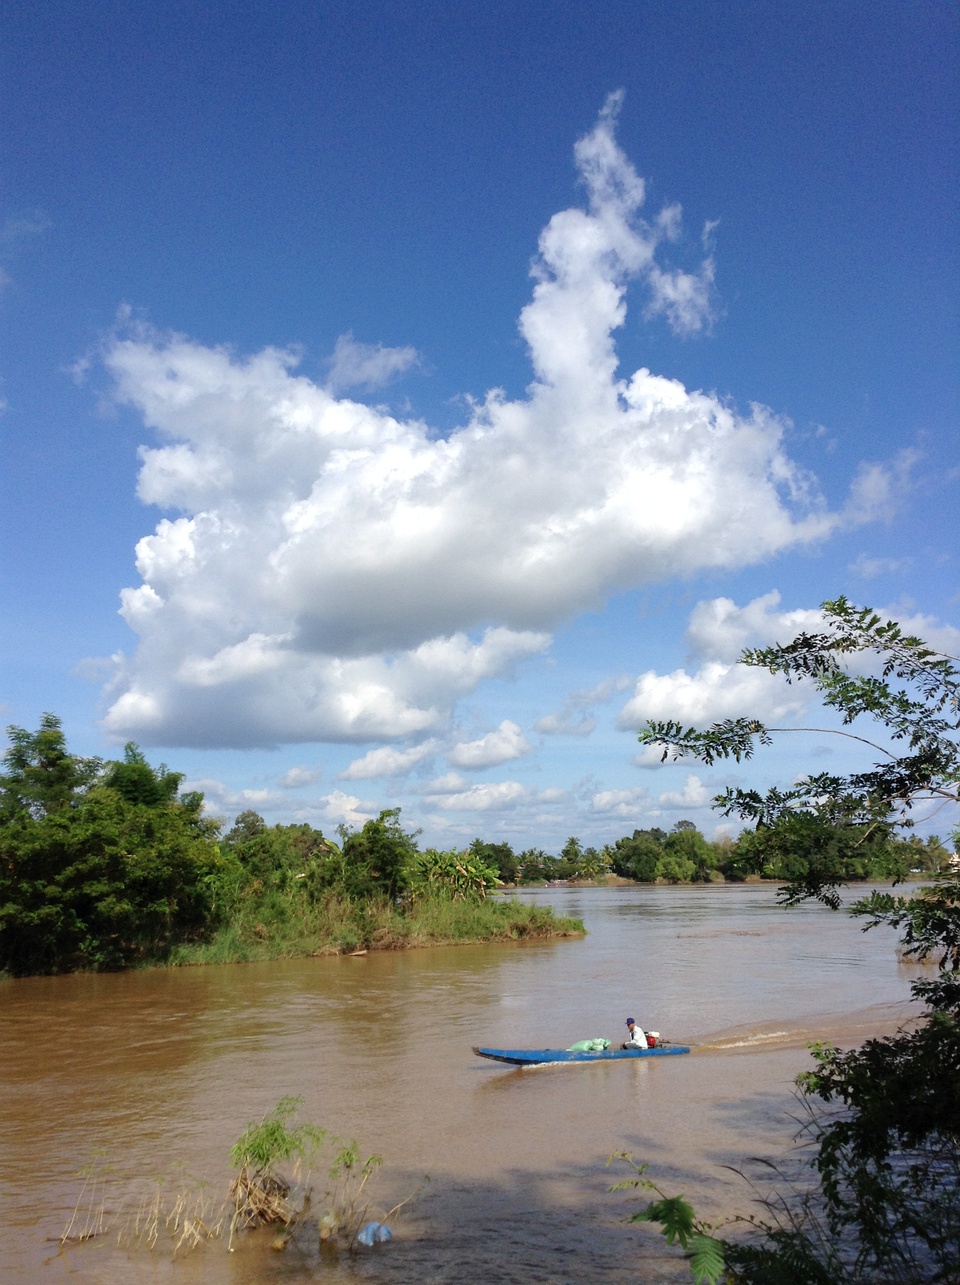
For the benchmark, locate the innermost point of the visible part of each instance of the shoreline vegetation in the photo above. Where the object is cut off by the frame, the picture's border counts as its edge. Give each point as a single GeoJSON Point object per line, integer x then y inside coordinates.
{"type": "Point", "coordinates": [340, 927]}
{"type": "Point", "coordinates": [108, 865]}
{"type": "Point", "coordinates": [105, 866]}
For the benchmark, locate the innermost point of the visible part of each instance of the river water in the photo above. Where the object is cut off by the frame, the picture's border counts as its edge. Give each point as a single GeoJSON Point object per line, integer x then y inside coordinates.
{"type": "Point", "coordinates": [146, 1075]}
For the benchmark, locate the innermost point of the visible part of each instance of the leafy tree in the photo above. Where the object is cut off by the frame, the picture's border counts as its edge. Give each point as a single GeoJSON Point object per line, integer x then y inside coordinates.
{"type": "Point", "coordinates": [245, 826]}
{"type": "Point", "coordinates": [919, 718]}
{"type": "Point", "coordinates": [639, 857]}
{"type": "Point", "coordinates": [593, 864]}
{"type": "Point", "coordinates": [687, 849]}
{"type": "Point", "coordinates": [380, 857]}
{"type": "Point", "coordinates": [571, 856]}
{"type": "Point", "coordinates": [536, 865]}
{"type": "Point", "coordinates": [889, 1160]}
{"type": "Point", "coordinates": [92, 875]}
{"type": "Point", "coordinates": [137, 781]}
{"type": "Point", "coordinates": [500, 856]}
{"type": "Point", "coordinates": [457, 875]}
{"type": "Point", "coordinates": [41, 777]}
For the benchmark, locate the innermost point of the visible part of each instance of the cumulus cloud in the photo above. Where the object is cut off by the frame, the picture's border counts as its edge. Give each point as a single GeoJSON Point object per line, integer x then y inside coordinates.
{"type": "Point", "coordinates": [327, 571]}
{"type": "Point", "coordinates": [449, 783]}
{"type": "Point", "coordinates": [693, 795]}
{"type": "Point", "coordinates": [345, 809]}
{"type": "Point", "coordinates": [495, 796]}
{"type": "Point", "coordinates": [507, 742]}
{"type": "Point", "coordinates": [944, 638]}
{"type": "Point", "coordinates": [356, 365]}
{"type": "Point", "coordinates": [720, 688]}
{"type": "Point", "coordinates": [650, 756]}
{"type": "Point", "coordinates": [220, 800]}
{"type": "Point", "coordinates": [878, 488]}
{"type": "Point", "coordinates": [566, 723]}
{"type": "Point", "coordinates": [297, 777]}
{"type": "Point", "coordinates": [618, 803]}
{"type": "Point", "coordinates": [387, 761]}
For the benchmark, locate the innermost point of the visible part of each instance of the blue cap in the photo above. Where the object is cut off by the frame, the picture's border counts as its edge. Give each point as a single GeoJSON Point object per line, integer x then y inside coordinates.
{"type": "Point", "coordinates": [631, 1022]}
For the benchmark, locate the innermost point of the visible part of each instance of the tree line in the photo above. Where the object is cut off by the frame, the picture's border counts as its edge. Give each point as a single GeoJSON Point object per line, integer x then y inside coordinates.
{"type": "Point", "coordinates": [108, 864]}
{"type": "Point", "coordinates": [684, 855]}
{"type": "Point", "coordinates": [105, 865]}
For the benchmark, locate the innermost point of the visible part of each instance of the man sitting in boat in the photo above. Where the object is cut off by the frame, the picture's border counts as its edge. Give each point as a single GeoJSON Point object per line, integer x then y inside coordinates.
{"type": "Point", "coordinates": [635, 1037]}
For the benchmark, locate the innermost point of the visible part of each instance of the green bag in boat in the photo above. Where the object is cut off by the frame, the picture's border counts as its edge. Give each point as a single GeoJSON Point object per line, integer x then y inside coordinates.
{"type": "Point", "coordinates": [589, 1046]}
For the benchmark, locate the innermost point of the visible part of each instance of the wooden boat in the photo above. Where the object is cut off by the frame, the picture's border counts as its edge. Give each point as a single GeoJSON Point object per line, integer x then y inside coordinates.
{"type": "Point", "coordinates": [541, 1057]}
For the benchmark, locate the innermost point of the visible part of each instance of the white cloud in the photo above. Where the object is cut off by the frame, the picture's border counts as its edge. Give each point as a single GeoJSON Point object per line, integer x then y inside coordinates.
{"type": "Point", "coordinates": [346, 809]}
{"type": "Point", "coordinates": [575, 719]}
{"type": "Point", "coordinates": [720, 630]}
{"type": "Point", "coordinates": [297, 777]}
{"type": "Point", "coordinates": [650, 756]}
{"type": "Point", "coordinates": [693, 795]}
{"type": "Point", "coordinates": [219, 799]}
{"type": "Point", "coordinates": [720, 688]}
{"type": "Point", "coordinates": [878, 489]}
{"type": "Point", "coordinates": [566, 723]}
{"type": "Point", "coordinates": [619, 803]}
{"type": "Point", "coordinates": [716, 691]}
{"type": "Point", "coordinates": [449, 783]}
{"type": "Point", "coordinates": [553, 796]}
{"type": "Point", "coordinates": [507, 742]}
{"type": "Point", "coordinates": [489, 797]}
{"type": "Point", "coordinates": [356, 365]}
{"type": "Point", "coordinates": [387, 761]}
{"type": "Point", "coordinates": [870, 568]}
{"type": "Point", "coordinates": [944, 638]}
{"type": "Point", "coordinates": [331, 566]}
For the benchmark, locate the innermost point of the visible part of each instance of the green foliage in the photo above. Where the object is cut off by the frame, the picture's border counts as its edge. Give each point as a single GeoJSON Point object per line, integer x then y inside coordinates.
{"type": "Point", "coordinates": [885, 1116]}
{"type": "Point", "coordinates": [107, 865]}
{"type": "Point", "coordinates": [500, 857]}
{"type": "Point", "coordinates": [639, 857]}
{"type": "Point", "coordinates": [688, 847]}
{"type": "Point", "coordinates": [379, 858]}
{"type": "Point", "coordinates": [678, 1224]}
{"type": "Point", "coordinates": [535, 866]}
{"type": "Point", "coordinates": [137, 782]}
{"type": "Point", "coordinates": [96, 869]}
{"type": "Point", "coordinates": [675, 1216]}
{"type": "Point", "coordinates": [272, 1141]}
{"type": "Point", "coordinates": [575, 862]}
{"type": "Point", "coordinates": [457, 875]}
{"type": "Point", "coordinates": [41, 777]}
{"type": "Point", "coordinates": [261, 1194]}
{"type": "Point", "coordinates": [707, 1264]}
{"type": "Point", "coordinates": [914, 697]}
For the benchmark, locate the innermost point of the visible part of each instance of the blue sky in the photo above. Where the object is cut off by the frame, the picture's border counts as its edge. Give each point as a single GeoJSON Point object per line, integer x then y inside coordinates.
{"type": "Point", "coordinates": [439, 390]}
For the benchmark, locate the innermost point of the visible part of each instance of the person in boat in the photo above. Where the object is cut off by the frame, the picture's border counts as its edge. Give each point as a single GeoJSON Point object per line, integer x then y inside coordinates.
{"type": "Point", "coordinates": [635, 1037]}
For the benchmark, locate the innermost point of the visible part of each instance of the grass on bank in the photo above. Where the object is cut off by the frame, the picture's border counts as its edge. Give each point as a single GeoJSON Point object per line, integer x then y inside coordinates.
{"type": "Point", "coordinates": [281, 927]}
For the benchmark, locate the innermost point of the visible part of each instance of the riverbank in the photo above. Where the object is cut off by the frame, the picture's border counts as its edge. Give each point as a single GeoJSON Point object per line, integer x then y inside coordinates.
{"type": "Point", "coordinates": [341, 926]}
{"type": "Point", "coordinates": [716, 881]}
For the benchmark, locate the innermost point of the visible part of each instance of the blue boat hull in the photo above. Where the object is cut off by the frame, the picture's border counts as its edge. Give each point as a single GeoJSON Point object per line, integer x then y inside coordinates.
{"type": "Point", "coordinates": [538, 1057]}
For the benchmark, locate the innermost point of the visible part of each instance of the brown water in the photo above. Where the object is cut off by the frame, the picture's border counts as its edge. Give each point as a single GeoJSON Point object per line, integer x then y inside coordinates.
{"type": "Point", "coordinates": [143, 1074]}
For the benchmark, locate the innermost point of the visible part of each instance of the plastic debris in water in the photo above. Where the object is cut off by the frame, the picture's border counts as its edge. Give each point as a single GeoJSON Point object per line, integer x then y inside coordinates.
{"type": "Point", "coordinates": [373, 1234]}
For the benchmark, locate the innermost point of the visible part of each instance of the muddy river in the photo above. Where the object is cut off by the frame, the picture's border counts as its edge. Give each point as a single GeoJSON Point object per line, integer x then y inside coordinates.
{"type": "Point", "coordinates": [139, 1077]}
